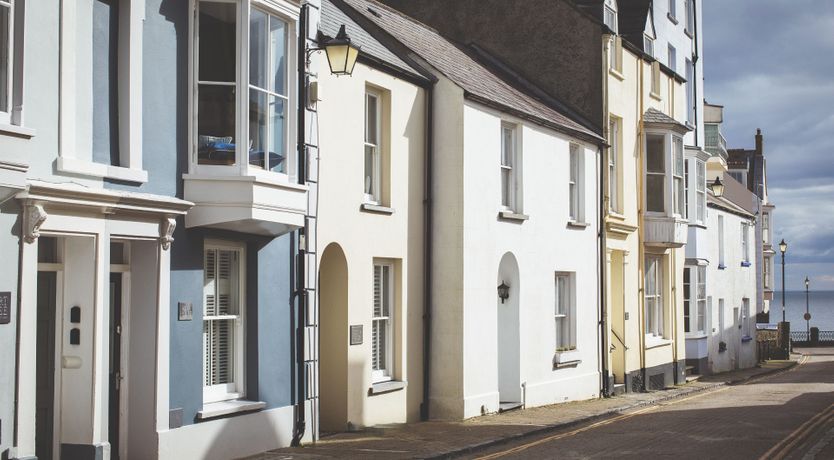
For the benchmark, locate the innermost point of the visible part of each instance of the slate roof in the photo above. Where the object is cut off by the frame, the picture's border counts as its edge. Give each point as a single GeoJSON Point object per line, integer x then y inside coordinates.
{"type": "Point", "coordinates": [475, 79]}
{"type": "Point", "coordinates": [332, 18]}
{"type": "Point", "coordinates": [655, 116]}
{"type": "Point", "coordinates": [632, 16]}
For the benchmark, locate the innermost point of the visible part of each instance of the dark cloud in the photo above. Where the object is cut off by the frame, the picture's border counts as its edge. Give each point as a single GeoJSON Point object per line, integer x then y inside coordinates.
{"type": "Point", "coordinates": [770, 63]}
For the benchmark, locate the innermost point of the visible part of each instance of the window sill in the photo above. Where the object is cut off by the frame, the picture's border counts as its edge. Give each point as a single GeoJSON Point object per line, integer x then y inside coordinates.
{"type": "Point", "coordinates": [376, 209]}
{"type": "Point", "coordinates": [746, 339]}
{"type": "Point", "coordinates": [745, 264]}
{"type": "Point", "coordinates": [89, 168]}
{"type": "Point", "coordinates": [616, 74]}
{"type": "Point", "coordinates": [17, 131]}
{"type": "Point", "coordinates": [655, 96]}
{"type": "Point", "coordinates": [222, 408]}
{"type": "Point", "coordinates": [512, 216]}
{"type": "Point", "coordinates": [656, 342]}
{"type": "Point", "coordinates": [570, 358]}
{"type": "Point", "coordinates": [386, 387]}
{"type": "Point", "coordinates": [269, 178]}
{"type": "Point", "coordinates": [697, 225]}
{"type": "Point", "coordinates": [696, 335]}
{"type": "Point", "coordinates": [672, 18]}
{"type": "Point", "coordinates": [722, 267]}
{"type": "Point", "coordinates": [687, 32]}
{"type": "Point", "coordinates": [578, 225]}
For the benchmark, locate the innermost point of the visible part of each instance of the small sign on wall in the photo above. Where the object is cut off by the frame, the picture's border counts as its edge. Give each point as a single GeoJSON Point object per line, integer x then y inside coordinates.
{"type": "Point", "coordinates": [5, 307]}
{"type": "Point", "coordinates": [186, 311]}
{"type": "Point", "coordinates": [356, 334]}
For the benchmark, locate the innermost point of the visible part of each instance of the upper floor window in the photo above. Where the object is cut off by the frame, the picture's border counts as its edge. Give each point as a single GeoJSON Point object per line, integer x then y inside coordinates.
{"type": "Point", "coordinates": [509, 169]}
{"type": "Point", "coordinates": [694, 299]}
{"type": "Point", "coordinates": [615, 54]}
{"type": "Point", "coordinates": [745, 317]}
{"type": "Point", "coordinates": [655, 173]}
{"type": "Point", "coordinates": [655, 88]}
{"type": "Point", "coordinates": [672, 58]}
{"type": "Point", "coordinates": [565, 313]}
{"type": "Point", "coordinates": [610, 18]}
{"type": "Point", "coordinates": [686, 188]}
{"type": "Point", "coordinates": [739, 177]}
{"type": "Point", "coordinates": [648, 45]}
{"type": "Point", "coordinates": [673, 9]}
{"type": "Point", "coordinates": [654, 303]}
{"type": "Point", "coordinates": [690, 92]}
{"type": "Point", "coordinates": [745, 243]}
{"type": "Point", "coordinates": [766, 271]}
{"type": "Point", "coordinates": [6, 47]}
{"type": "Point", "coordinates": [690, 16]}
{"type": "Point", "coordinates": [700, 191]}
{"type": "Point", "coordinates": [614, 165]}
{"type": "Point", "coordinates": [677, 177]}
{"type": "Point", "coordinates": [721, 264]}
{"type": "Point", "coordinates": [576, 183]}
{"type": "Point", "coordinates": [373, 154]}
{"type": "Point", "coordinates": [765, 228]}
{"type": "Point", "coordinates": [243, 88]}
{"type": "Point", "coordinates": [665, 193]}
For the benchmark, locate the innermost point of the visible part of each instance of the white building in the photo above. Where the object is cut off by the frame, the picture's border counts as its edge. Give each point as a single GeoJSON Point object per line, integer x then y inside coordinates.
{"type": "Point", "coordinates": [515, 311]}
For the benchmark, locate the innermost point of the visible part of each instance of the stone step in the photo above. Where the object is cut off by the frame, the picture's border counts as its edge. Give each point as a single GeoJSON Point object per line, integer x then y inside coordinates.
{"type": "Point", "coordinates": [619, 388]}
{"type": "Point", "coordinates": [508, 406]}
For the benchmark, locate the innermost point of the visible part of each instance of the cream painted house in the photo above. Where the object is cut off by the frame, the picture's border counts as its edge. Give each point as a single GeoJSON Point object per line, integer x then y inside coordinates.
{"type": "Point", "coordinates": [370, 235]}
{"type": "Point", "coordinates": [645, 205]}
{"type": "Point", "coordinates": [514, 312]}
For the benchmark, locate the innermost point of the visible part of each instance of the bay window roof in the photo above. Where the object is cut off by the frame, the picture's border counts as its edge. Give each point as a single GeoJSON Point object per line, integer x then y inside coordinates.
{"type": "Point", "coordinates": [654, 118]}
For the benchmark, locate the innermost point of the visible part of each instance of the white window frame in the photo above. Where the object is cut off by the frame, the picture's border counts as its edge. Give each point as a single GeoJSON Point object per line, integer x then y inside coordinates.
{"type": "Point", "coordinates": [766, 227]}
{"type": "Point", "coordinates": [674, 200]}
{"type": "Point", "coordinates": [700, 191]}
{"type": "Point", "coordinates": [690, 91]}
{"type": "Point", "coordinates": [744, 228]}
{"type": "Point", "coordinates": [75, 146]}
{"type": "Point", "coordinates": [610, 15]}
{"type": "Point", "coordinates": [508, 164]}
{"type": "Point", "coordinates": [678, 186]}
{"type": "Point", "coordinates": [648, 45]}
{"type": "Point", "coordinates": [695, 297]}
{"type": "Point", "coordinates": [745, 317]}
{"type": "Point", "coordinates": [375, 197]}
{"type": "Point", "coordinates": [576, 183]}
{"type": "Point", "coordinates": [673, 9]}
{"type": "Point", "coordinates": [6, 112]}
{"type": "Point", "coordinates": [665, 157]}
{"type": "Point", "coordinates": [614, 165]}
{"type": "Point", "coordinates": [690, 17]}
{"type": "Point", "coordinates": [287, 12]}
{"type": "Point", "coordinates": [386, 373]}
{"type": "Point", "coordinates": [654, 310]}
{"type": "Point", "coordinates": [564, 312]}
{"type": "Point", "coordinates": [655, 88]}
{"type": "Point", "coordinates": [672, 57]}
{"type": "Point", "coordinates": [721, 319]}
{"type": "Point", "coordinates": [767, 270]}
{"type": "Point", "coordinates": [236, 388]}
{"type": "Point", "coordinates": [615, 55]}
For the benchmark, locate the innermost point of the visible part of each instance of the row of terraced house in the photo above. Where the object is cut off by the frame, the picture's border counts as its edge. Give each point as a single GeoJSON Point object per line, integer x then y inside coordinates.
{"type": "Point", "coordinates": [233, 225]}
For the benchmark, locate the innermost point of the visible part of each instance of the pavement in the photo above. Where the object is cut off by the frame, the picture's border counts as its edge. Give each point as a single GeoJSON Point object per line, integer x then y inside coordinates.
{"type": "Point", "coordinates": [440, 439]}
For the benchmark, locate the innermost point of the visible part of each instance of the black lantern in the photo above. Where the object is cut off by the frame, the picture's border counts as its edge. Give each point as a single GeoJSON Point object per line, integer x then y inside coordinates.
{"type": "Point", "coordinates": [717, 187]}
{"type": "Point", "coordinates": [783, 246]}
{"type": "Point", "coordinates": [341, 54]}
{"type": "Point", "coordinates": [807, 282]}
{"type": "Point", "coordinates": [503, 291]}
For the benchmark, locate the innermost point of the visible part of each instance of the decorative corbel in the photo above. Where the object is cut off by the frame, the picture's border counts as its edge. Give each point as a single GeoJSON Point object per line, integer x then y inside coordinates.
{"type": "Point", "coordinates": [33, 217]}
{"type": "Point", "coordinates": [166, 232]}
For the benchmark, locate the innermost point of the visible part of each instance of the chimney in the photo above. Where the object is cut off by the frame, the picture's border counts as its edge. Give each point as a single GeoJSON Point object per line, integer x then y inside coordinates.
{"type": "Point", "coordinates": [759, 142]}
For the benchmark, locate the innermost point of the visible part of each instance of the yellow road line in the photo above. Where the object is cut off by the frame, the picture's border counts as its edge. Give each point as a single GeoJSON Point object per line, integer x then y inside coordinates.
{"type": "Point", "coordinates": [784, 447]}
{"type": "Point", "coordinates": [618, 418]}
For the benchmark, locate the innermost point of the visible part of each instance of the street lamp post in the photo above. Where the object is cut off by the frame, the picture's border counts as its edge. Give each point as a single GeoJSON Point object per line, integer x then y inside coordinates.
{"type": "Point", "coordinates": [783, 247]}
{"type": "Point", "coordinates": [807, 312]}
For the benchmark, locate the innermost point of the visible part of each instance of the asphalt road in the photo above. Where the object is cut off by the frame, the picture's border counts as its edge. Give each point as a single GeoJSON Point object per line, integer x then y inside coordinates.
{"type": "Point", "coordinates": [786, 415]}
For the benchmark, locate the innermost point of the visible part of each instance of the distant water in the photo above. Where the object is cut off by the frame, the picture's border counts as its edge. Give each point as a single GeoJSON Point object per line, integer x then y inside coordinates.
{"type": "Point", "coordinates": [821, 308]}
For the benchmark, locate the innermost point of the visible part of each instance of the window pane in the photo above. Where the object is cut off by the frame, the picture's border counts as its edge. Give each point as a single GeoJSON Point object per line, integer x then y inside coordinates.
{"type": "Point", "coordinates": [371, 119]}
{"type": "Point", "coordinates": [219, 360]}
{"type": "Point", "coordinates": [257, 48]}
{"type": "Point", "coordinates": [654, 193]}
{"type": "Point", "coordinates": [677, 143]}
{"type": "Point", "coordinates": [507, 147]}
{"type": "Point", "coordinates": [267, 131]}
{"type": "Point", "coordinates": [218, 41]}
{"type": "Point", "coordinates": [505, 187]}
{"type": "Point", "coordinates": [386, 290]}
{"type": "Point", "coordinates": [257, 127]}
{"type": "Point", "coordinates": [655, 151]}
{"type": "Point", "coordinates": [277, 139]}
{"type": "Point", "coordinates": [370, 185]}
{"type": "Point", "coordinates": [216, 125]}
{"type": "Point", "coordinates": [278, 46]}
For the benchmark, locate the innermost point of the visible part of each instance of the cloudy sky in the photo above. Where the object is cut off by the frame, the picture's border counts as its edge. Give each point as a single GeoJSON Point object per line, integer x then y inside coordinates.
{"type": "Point", "coordinates": [770, 63]}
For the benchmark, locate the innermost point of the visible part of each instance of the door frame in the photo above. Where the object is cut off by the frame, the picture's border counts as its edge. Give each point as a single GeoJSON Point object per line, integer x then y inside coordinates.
{"type": "Point", "coordinates": [124, 349]}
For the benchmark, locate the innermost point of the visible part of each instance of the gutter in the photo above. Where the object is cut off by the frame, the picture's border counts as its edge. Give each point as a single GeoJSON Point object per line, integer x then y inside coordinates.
{"type": "Point", "coordinates": [604, 200]}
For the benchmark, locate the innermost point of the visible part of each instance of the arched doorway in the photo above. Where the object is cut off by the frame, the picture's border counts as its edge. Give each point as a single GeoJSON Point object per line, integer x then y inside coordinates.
{"type": "Point", "coordinates": [333, 339]}
{"type": "Point", "coordinates": [509, 335]}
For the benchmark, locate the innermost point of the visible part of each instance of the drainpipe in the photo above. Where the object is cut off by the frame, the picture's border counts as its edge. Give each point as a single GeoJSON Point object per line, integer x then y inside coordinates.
{"type": "Point", "coordinates": [695, 60]}
{"type": "Point", "coordinates": [427, 249]}
{"type": "Point", "coordinates": [604, 199]}
{"type": "Point", "coordinates": [641, 299]}
{"type": "Point", "coordinates": [299, 299]}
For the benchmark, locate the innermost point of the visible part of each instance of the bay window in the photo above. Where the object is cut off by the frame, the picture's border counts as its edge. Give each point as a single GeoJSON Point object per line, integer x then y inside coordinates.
{"type": "Point", "coordinates": [655, 173]}
{"type": "Point", "coordinates": [677, 177]}
{"type": "Point", "coordinates": [243, 88]}
{"type": "Point", "coordinates": [382, 323]}
{"type": "Point", "coordinates": [653, 308]}
{"type": "Point", "coordinates": [700, 191]}
{"type": "Point", "coordinates": [665, 184]}
{"type": "Point", "coordinates": [223, 298]}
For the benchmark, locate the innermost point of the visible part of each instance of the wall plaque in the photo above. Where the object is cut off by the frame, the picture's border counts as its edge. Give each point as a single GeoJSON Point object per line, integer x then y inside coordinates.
{"type": "Point", "coordinates": [186, 311]}
{"type": "Point", "coordinates": [5, 307]}
{"type": "Point", "coordinates": [356, 334]}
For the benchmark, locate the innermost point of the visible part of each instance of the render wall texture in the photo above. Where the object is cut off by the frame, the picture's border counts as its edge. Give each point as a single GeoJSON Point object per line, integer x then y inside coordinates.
{"type": "Point", "coordinates": [556, 49]}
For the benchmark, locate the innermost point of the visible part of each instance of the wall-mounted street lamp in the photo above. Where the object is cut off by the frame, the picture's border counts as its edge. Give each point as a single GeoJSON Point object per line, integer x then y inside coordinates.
{"type": "Point", "coordinates": [503, 291]}
{"type": "Point", "coordinates": [717, 187]}
{"type": "Point", "coordinates": [341, 52]}
{"type": "Point", "coordinates": [807, 310]}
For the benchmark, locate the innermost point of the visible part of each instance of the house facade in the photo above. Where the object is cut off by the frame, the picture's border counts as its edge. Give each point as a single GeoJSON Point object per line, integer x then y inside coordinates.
{"type": "Point", "coordinates": [371, 235]}
{"type": "Point", "coordinates": [514, 317]}
{"type": "Point", "coordinates": [160, 303]}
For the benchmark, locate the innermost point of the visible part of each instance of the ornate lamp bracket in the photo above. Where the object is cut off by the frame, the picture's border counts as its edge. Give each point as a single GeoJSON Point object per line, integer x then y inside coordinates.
{"type": "Point", "coordinates": [33, 217]}
{"type": "Point", "coordinates": [166, 232]}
